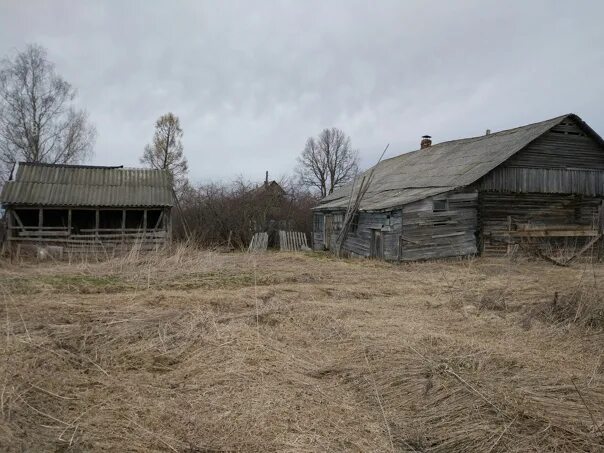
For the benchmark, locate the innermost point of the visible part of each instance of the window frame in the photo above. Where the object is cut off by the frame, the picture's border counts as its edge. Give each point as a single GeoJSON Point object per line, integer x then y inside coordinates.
{"type": "Point", "coordinates": [443, 208]}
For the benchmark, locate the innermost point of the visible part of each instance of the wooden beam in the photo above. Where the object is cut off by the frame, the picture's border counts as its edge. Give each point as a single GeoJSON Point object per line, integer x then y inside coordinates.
{"type": "Point", "coordinates": [553, 233]}
{"type": "Point", "coordinates": [69, 221]}
{"type": "Point", "coordinates": [159, 219]}
{"type": "Point", "coordinates": [9, 229]}
{"type": "Point", "coordinates": [18, 219]}
{"type": "Point", "coordinates": [123, 227]}
{"type": "Point", "coordinates": [169, 224]}
{"type": "Point", "coordinates": [40, 218]}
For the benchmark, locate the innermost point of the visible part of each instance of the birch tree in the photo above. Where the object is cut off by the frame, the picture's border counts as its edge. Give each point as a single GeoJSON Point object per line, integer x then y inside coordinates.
{"type": "Point", "coordinates": [39, 121]}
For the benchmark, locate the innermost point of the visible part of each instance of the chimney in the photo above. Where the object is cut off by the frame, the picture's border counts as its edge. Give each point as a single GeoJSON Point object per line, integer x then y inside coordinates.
{"type": "Point", "coordinates": [426, 142]}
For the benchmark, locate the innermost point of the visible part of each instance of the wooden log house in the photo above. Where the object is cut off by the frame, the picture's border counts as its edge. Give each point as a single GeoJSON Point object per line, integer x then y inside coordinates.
{"type": "Point", "coordinates": [541, 184]}
{"type": "Point", "coordinates": [87, 209]}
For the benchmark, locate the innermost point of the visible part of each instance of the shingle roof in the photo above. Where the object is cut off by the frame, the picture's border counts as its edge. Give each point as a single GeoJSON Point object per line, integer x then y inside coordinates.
{"type": "Point", "coordinates": [81, 185]}
{"type": "Point", "coordinates": [440, 168]}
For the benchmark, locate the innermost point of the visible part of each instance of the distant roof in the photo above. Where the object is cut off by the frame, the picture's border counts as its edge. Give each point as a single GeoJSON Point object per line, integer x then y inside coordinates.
{"type": "Point", "coordinates": [86, 185]}
{"type": "Point", "coordinates": [442, 167]}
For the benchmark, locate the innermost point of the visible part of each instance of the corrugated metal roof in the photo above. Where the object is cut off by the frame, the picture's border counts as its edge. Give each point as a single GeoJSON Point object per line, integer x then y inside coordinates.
{"type": "Point", "coordinates": [82, 185]}
{"type": "Point", "coordinates": [440, 168]}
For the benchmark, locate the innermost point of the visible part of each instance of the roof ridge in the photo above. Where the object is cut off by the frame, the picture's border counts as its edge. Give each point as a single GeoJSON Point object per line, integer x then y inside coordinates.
{"type": "Point", "coordinates": [86, 166]}
{"type": "Point", "coordinates": [485, 136]}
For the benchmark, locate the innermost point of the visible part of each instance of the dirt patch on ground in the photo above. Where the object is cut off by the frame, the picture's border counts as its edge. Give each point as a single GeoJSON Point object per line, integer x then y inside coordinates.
{"type": "Point", "coordinates": [197, 351]}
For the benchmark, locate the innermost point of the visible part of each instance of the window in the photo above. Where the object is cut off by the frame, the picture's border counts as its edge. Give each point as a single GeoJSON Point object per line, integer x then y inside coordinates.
{"type": "Point", "coordinates": [318, 222]}
{"type": "Point", "coordinates": [338, 220]}
{"type": "Point", "coordinates": [439, 205]}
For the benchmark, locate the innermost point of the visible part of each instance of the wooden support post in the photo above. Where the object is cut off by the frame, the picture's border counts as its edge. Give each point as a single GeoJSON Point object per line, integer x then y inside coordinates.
{"type": "Point", "coordinates": [9, 224]}
{"type": "Point", "coordinates": [601, 218]}
{"type": "Point", "coordinates": [159, 219]}
{"type": "Point", "coordinates": [40, 222]}
{"type": "Point", "coordinates": [9, 233]}
{"type": "Point", "coordinates": [509, 248]}
{"type": "Point", "coordinates": [68, 223]}
{"type": "Point", "coordinates": [123, 226]}
{"type": "Point", "coordinates": [168, 224]}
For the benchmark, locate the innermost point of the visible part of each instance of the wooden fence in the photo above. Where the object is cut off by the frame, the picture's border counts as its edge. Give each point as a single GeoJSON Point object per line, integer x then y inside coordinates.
{"type": "Point", "coordinates": [292, 241]}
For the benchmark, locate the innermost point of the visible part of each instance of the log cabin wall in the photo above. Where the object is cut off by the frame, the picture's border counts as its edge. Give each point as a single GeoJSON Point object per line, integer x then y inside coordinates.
{"type": "Point", "coordinates": [571, 220]}
{"type": "Point", "coordinates": [441, 226]}
{"type": "Point", "coordinates": [555, 182]}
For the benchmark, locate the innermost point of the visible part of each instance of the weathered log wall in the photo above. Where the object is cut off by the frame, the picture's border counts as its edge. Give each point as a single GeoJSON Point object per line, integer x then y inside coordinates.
{"type": "Point", "coordinates": [502, 212]}
{"type": "Point", "coordinates": [427, 233]}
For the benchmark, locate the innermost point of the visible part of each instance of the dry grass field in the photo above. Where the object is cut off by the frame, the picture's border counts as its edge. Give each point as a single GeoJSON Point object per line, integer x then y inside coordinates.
{"type": "Point", "coordinates": [199, 351]}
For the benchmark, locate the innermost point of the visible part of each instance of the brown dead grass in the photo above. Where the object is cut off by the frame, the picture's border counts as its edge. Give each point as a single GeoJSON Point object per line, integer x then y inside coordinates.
{"type": "Point", "coordinates": [198, 351]}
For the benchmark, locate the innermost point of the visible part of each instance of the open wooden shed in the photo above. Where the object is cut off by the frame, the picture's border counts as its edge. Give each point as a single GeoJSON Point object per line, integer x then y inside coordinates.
{"type": "Point", "coordinates": [539, 185]}
{"type": "Point", "coordinates": [83, 209]}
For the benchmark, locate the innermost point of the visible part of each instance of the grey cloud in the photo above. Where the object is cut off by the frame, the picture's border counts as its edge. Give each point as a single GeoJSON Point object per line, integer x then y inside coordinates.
{"type": "Point", "coordinates": [251, 80]}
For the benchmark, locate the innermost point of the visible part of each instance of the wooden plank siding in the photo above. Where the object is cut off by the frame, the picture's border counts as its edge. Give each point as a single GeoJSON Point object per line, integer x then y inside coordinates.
{"type": "Point", "coordinates": [544, 180]}
{"type": "Point", "coordinates": [358, 243]}
{"type": "Point", "coordinates": [415, 231]}
{"type": "Point", "coordinates": [564, 146]}
{"type": "Point", "coordinates": [452, 232]}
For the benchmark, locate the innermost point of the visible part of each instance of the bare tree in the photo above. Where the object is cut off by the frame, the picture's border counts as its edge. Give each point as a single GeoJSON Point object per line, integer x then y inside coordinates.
{"type": "Point", "coordinates": [166, 151]}
{"type": "Point", "coordinates": [328, 161]}
{"type": "Point", "coordinates": [38, 121]}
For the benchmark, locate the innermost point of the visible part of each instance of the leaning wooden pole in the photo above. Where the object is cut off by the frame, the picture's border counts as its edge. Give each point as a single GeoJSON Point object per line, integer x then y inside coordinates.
{"type": "Point", "coordinates": [354, 207]}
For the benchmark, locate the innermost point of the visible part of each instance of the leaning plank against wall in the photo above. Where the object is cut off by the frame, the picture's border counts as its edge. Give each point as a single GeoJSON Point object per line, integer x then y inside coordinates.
{"type": "Point", "coordinates": [448, 230]}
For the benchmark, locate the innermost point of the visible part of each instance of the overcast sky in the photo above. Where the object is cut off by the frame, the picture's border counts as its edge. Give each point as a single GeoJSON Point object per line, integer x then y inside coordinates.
{"type": "Point", "coordinates": [251, 80]}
